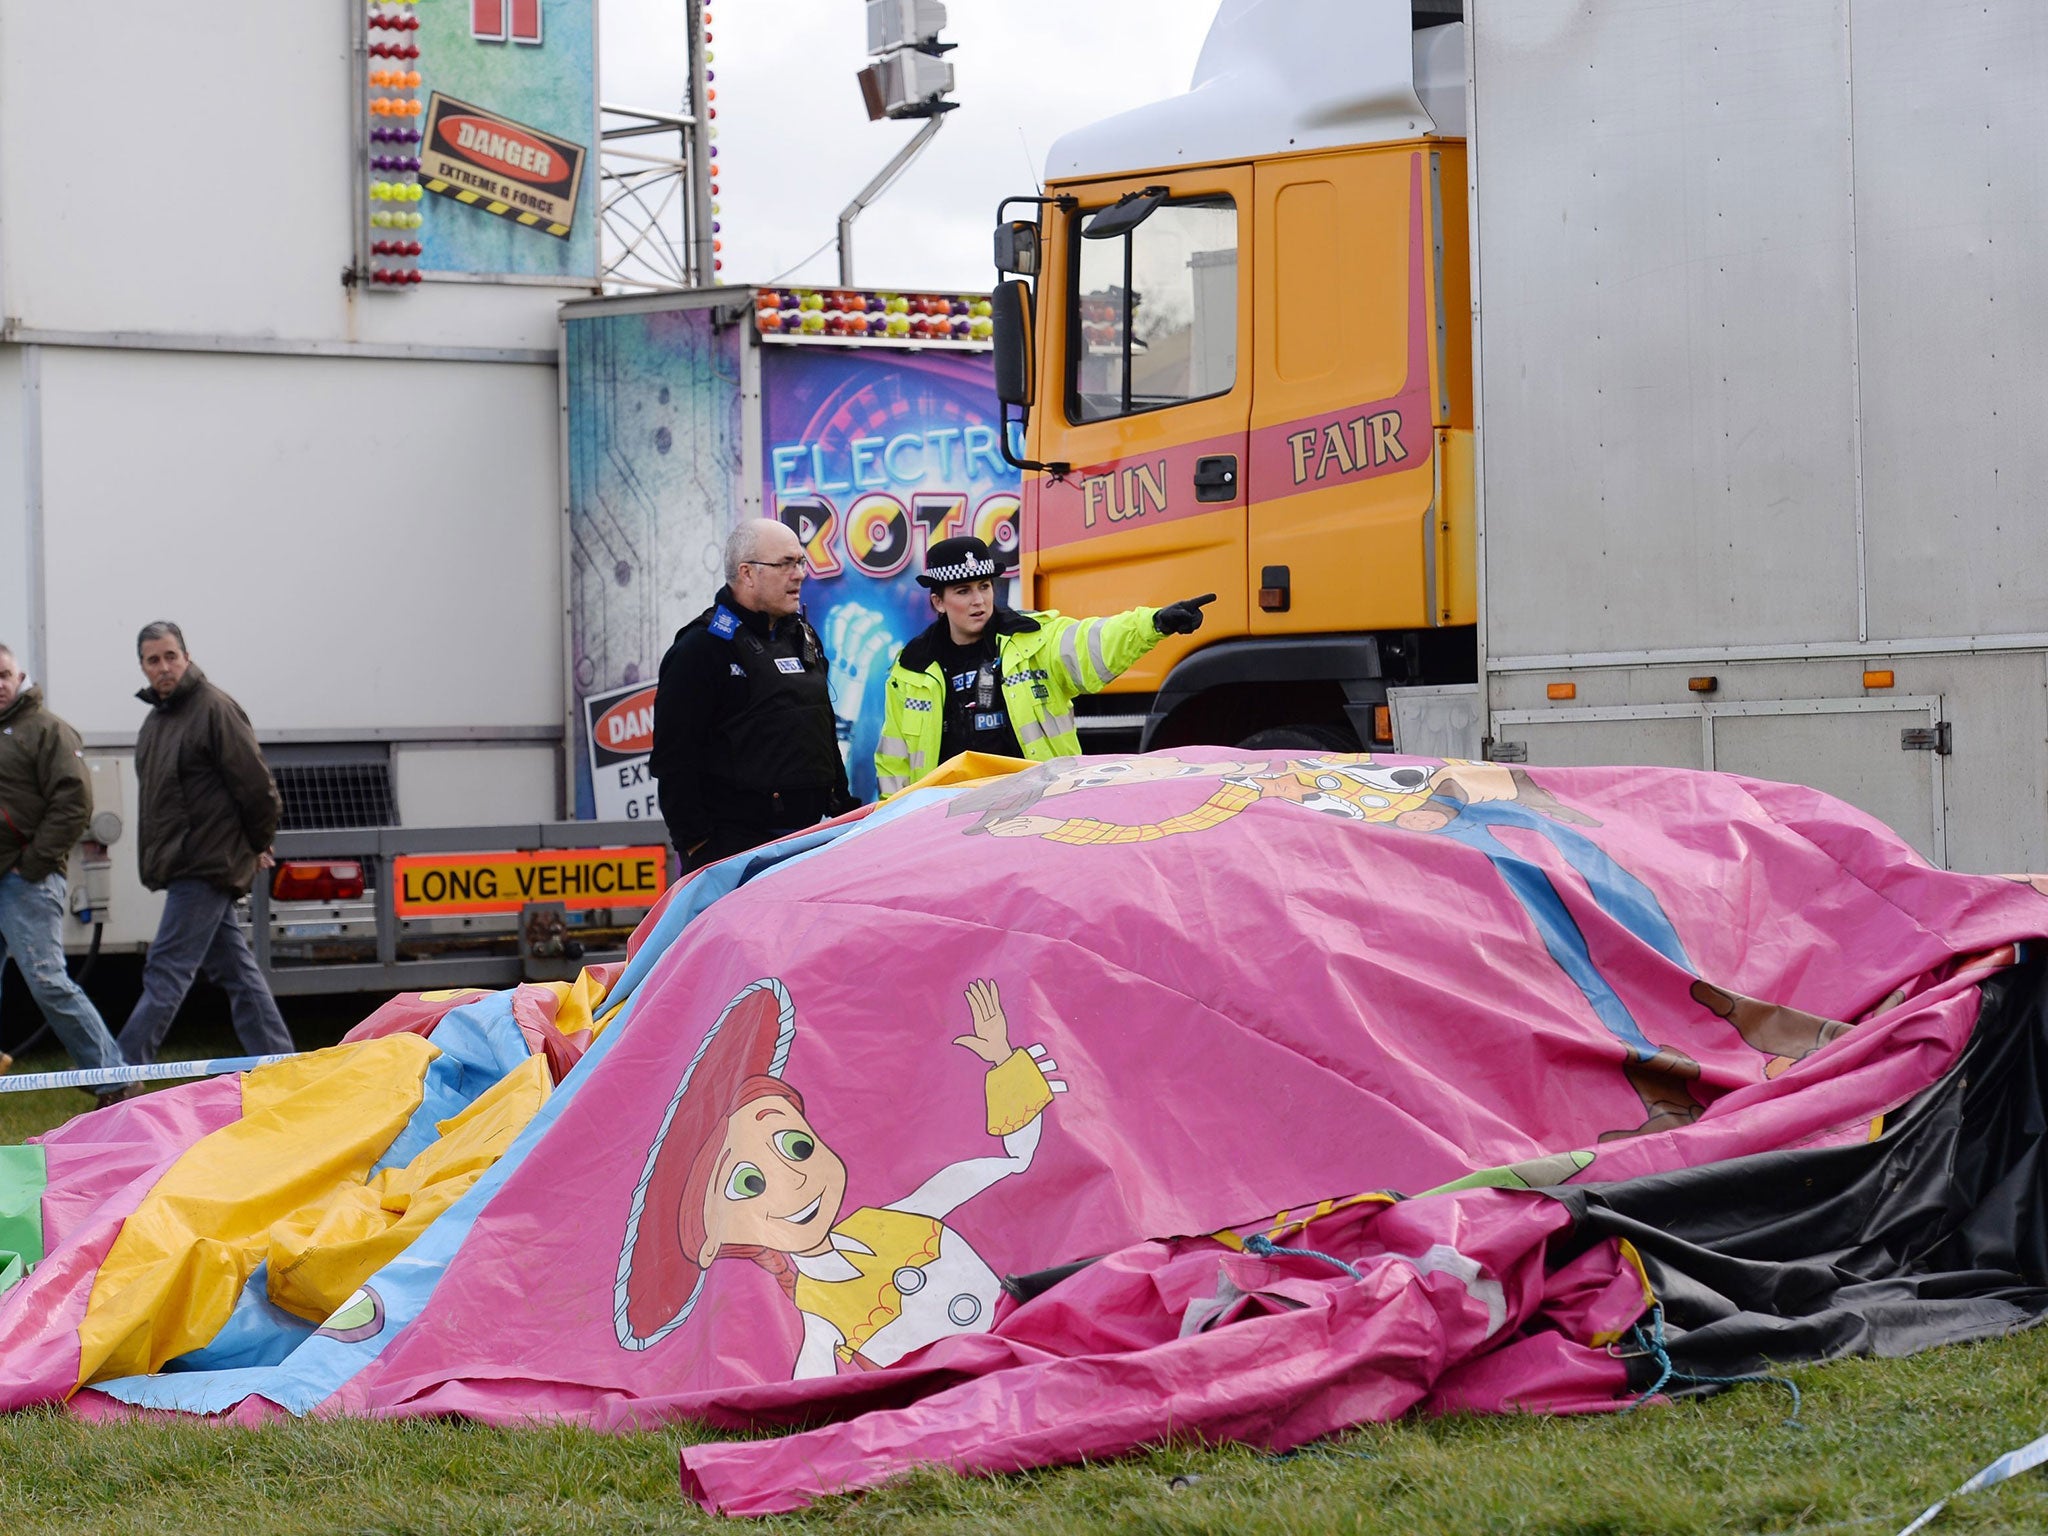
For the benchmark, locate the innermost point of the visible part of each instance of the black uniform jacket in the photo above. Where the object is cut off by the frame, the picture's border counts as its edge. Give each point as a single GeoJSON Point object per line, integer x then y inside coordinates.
{"type": "Point", "coordinates": [744, 734]}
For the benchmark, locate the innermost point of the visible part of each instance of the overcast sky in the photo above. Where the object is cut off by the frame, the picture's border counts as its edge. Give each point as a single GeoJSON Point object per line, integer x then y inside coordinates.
{"type": "Point", "coordinates": [795, 144]}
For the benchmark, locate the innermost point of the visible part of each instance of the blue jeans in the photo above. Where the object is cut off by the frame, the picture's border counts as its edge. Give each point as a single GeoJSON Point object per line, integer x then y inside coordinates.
{"type": "Point", "coordinates": [1614, 890]}
{"type": "Point", "coordinates": [32, 931]}
{"type": "Point", "coordinates": [199, 933]}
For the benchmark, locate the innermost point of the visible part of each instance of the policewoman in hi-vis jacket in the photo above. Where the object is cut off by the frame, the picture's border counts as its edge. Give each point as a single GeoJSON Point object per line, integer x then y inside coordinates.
{"type": "Point", "coordinates": [985, 678]}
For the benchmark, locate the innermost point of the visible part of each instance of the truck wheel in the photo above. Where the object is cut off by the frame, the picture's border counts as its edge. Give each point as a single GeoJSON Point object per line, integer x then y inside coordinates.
{"type": "Point", "coordinates": [1300, 738]}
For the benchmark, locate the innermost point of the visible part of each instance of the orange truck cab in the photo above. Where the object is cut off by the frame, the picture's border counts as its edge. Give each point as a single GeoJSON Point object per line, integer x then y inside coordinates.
{"type": "Point", "coordinates": [1239, 330]}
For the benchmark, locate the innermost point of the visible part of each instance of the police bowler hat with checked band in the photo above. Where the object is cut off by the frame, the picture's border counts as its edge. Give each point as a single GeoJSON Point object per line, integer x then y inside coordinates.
{"type": "Point", "coordinates": [956, 560]}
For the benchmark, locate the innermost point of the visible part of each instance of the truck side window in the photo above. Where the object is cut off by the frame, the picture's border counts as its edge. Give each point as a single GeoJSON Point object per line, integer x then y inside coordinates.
{"type": "Point", "coordinates": [1154, 318]}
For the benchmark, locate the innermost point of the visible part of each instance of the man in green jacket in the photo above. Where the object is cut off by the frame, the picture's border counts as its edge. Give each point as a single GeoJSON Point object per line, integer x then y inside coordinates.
{"type": "Point", "coordinates": [45, 803]}
{"type": "Point", "coordinates": [985, 678]}
{"type": "Point", "coordinates": [209, 810]}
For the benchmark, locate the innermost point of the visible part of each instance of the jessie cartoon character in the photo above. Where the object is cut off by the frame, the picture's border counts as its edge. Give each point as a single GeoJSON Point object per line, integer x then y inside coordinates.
{"type": "Point", "coordinates": [738, 1171]}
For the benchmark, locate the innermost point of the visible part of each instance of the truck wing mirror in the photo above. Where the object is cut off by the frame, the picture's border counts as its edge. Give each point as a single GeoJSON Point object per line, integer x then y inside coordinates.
{"type": "Point", "coordinates": [1011, 314]}
{"type": "Point", "coordinates": [1124, 215]}
{"type": "Point", "coordinates": [1017, 248]}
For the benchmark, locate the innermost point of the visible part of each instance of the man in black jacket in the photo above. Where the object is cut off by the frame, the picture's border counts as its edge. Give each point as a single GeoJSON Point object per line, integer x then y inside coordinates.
{"type": "Point", "coordinates": [746, 747]}
{"type": "Point", "coordinates": [45, 803]}
{"type": "Point", "coordinates": [209, 811]}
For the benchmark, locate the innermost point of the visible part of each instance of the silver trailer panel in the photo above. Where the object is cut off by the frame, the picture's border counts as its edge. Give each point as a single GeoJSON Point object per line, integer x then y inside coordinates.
{"type": "Point", "coordinates": [1760, 351]}
{"type": "Point", "coordinates": [1667, 401]}
{"type": "Point", "coordinates": [1951, 254]}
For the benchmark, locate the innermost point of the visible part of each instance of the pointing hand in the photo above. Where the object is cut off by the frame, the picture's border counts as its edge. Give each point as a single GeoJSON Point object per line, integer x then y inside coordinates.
{"type": "Point", "coordinates": [1183, 617]}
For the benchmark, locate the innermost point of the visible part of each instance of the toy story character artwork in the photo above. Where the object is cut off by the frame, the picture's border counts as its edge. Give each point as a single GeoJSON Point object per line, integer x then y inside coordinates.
{"type": "Point", "coordinates": [738, 1171]}
{"type": "Point", "coordinates": [1469, 803]}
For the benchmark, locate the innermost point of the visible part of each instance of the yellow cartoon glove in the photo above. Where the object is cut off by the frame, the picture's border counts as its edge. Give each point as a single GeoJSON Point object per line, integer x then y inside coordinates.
{"type": "Point", "coordinates": [1017, 1088]}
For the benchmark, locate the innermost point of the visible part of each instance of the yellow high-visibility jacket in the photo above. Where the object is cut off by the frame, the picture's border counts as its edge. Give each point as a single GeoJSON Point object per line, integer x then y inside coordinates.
{"type": "Point", "coordinates": [1046, 659]}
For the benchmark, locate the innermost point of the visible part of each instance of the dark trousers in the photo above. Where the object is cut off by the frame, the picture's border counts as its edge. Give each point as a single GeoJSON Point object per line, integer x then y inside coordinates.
{"type": "Point", "coordinates": [198, 933]}
{"type": "Point", "coordinates": [729, 838]}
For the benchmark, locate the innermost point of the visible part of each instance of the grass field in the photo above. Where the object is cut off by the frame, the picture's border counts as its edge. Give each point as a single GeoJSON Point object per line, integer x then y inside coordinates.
{"type": "Point", "coordinates": [1877, 1442]}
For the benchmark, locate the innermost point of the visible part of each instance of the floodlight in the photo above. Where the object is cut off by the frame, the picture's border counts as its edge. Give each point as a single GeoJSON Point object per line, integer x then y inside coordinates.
{"type": "Point", "coordinates": [894, 24]}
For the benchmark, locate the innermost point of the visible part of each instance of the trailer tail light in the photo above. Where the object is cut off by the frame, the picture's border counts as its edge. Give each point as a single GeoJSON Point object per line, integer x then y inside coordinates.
{"type": "Point", "coordinates": [1881, 679]}
{"type": "Point", "coordinates": [1561, 691]}
{"type": "Point", "coordinates": [1382, 726]}
{"type": "Point", "coordinates": [1703, 684]}
{"type": "Point", "coordinates": [324, 880]}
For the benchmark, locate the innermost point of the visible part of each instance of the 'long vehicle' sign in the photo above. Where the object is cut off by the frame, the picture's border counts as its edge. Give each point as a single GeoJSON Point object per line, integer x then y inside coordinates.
{"type": "Point", "coordinates": [464, 884]}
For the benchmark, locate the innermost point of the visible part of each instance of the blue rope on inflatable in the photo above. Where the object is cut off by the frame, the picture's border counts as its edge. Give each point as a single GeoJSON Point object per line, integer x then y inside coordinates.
{"type": "Point", "coordinates": [1652, 1344]}
{"type": "Point", "coordinates": [1263, 1247]}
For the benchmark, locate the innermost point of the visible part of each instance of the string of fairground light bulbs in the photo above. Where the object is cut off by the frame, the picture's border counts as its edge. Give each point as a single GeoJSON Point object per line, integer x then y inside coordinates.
{"type": "Point", "coordinates": [399, 258]}
{"type": "Point", "coordinates": [711, 137]}
{"type": "Point", "coordinates": [395, 190]}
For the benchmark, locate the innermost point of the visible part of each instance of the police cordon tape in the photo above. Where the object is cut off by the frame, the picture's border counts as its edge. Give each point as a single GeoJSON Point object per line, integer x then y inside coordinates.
{"type": "Point", "coordinates": [155, 1072]}
{"type": "Point", "coordinates": [2011, 1464]}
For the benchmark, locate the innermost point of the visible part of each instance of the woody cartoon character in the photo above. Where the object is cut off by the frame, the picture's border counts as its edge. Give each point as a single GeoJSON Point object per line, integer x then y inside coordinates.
{"type": "Point", "coordinates": [737, 1171]}
{"type": "Point", "coordinates": [1469, 803]}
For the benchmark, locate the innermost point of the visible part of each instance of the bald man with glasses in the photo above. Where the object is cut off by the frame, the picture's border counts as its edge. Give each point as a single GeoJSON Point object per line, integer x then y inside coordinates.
{"type": "Point", "coordinates": [746, 747]}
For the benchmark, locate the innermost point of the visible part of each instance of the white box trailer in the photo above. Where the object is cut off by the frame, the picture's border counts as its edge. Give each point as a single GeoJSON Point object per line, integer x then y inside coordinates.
{"type": "Point", "coordinates": [346, 494]}
{"type": "Point", "coordinates": [1760, 343]}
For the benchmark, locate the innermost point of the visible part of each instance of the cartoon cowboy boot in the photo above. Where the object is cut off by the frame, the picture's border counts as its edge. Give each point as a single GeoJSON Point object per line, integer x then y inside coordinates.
{"type": "Point", "coordinates": [1781, 1033]}
{"type": "Point", "coordinates": [1660, 1082]}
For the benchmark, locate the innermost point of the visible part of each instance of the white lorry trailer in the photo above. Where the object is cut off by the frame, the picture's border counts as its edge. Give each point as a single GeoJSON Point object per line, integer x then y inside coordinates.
{"type": "Point", "coordinates": [1669, 370]}
{"type": "Point", "coordinates": [1759, 327]}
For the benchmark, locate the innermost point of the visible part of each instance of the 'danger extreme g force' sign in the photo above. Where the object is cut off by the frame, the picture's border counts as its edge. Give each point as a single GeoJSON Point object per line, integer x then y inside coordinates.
{"type": "Point", "coordinates": [478, 157]}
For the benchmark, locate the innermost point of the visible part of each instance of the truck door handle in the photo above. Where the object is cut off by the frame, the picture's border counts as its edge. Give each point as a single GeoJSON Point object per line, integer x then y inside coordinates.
{"type": "Point", "coordinates": [1216, 478]}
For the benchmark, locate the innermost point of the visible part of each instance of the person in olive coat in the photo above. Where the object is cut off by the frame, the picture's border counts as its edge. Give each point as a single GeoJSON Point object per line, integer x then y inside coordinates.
{"type": "Point", "coordinates": [209, 811]}
{"type": "Point", "coordinates": [45, 803]}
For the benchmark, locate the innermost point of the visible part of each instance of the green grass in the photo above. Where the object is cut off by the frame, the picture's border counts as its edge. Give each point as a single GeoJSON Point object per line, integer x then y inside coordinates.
{"type": "Point", "coordinates": [1879, 1441]}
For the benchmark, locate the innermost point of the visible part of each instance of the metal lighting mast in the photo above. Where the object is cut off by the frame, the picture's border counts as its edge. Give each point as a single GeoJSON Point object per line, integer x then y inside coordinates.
{"type": "Point", "coordinates": [657, 221]}
{"type": "Point", "coordinates": [909, 78]}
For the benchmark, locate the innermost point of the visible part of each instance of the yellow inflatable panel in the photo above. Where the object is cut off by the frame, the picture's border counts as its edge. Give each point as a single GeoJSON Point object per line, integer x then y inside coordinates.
{"type": "Point", "coordinates": [321, 1253]}
{"type": "Point", "coordinates": [308, 1124]}
{"type": "Point", "coordinates": [582, 1000]}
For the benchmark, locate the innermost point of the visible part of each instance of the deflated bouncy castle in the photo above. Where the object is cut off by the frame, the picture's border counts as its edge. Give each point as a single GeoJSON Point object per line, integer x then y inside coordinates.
{"type": "Point", "coordinates": [1038, 1115]}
